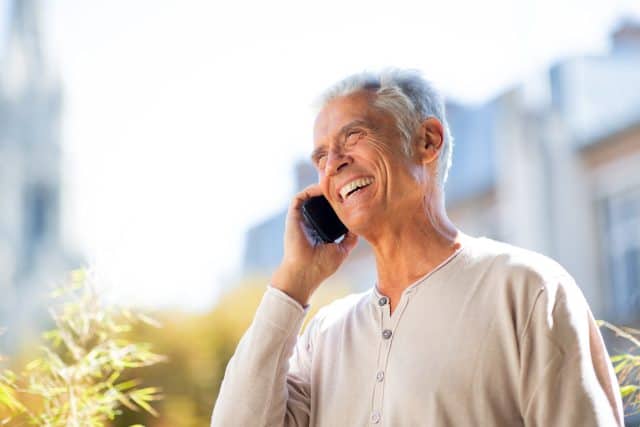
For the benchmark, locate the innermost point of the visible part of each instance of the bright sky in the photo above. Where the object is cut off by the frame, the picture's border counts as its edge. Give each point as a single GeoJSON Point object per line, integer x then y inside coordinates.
{"type": "Point", "coordinates": [183, 119]}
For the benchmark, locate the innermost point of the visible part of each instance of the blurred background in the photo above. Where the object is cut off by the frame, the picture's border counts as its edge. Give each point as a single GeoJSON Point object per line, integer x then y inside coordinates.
{"type": "Point", "coordinates": [159, 143]}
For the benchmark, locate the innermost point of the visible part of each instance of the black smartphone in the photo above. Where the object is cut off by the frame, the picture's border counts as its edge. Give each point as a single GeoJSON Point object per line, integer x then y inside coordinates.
{"type": "Point", "coordinates": [321, 217]}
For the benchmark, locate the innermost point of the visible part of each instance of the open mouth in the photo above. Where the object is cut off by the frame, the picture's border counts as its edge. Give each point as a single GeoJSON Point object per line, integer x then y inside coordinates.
{"type": "Point", "coordinates": [354, 186]}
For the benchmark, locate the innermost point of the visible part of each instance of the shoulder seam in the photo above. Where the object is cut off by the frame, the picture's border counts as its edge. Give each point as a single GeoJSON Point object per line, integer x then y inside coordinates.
{"type": "Point", "coordinates": [525, 328]}
{"type": "Point", "coordinates": [543, 288]}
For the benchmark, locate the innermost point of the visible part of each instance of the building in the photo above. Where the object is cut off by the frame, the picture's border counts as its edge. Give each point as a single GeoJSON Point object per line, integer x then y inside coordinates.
{"type": "Point", "coordinates": [32, 252]}
{"type": "Point", "coordinates": [566, 180]}
{"type": "Point", "coordinates": [552, 165]}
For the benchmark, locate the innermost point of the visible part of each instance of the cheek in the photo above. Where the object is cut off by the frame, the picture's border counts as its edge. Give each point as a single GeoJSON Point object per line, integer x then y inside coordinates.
{"type": "Point", "coordinates": [380, 155]}
{"type": "Point", "coordinates": [323, 181]}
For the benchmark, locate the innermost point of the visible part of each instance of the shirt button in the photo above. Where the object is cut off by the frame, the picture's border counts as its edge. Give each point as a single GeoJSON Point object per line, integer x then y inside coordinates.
{"type": "Point", "coordinates": [386, 334]}
{"type": "Point", "coordinates": [382, 301]}
{"type": "Point", "coordinates": [375, 417]}
{"type": "Point", "coordinates": [380, 376]}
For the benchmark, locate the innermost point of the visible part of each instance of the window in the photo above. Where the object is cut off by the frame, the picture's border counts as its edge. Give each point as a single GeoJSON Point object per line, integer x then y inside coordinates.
{"type": "Point", "coordinates": [622, 247]}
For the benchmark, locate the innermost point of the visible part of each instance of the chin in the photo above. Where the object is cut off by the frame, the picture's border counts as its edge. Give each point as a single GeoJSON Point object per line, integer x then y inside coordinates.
{"type": "Point", "coordinates": [360, 222]}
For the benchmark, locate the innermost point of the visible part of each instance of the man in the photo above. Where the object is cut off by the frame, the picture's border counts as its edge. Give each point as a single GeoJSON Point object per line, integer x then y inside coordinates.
{"type": "Point", "coordinates": [457, 331]}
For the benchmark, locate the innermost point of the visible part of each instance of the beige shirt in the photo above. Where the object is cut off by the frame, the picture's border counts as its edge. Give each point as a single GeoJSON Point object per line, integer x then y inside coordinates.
{"type": "Point", "coordinates": [495, 336]}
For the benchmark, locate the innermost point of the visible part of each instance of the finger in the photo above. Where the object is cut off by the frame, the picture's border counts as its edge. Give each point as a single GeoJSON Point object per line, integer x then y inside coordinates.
{"type": "Point", "coordinates": [309, 192]}
{"type": "Point", "coordinates": [301, 197]}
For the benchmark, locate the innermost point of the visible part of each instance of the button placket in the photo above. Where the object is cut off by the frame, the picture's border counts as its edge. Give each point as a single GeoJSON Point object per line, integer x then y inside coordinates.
{"type": "Point", "coordinates": [386, 335]}
{"type": "Point", "coordinates": [387, 330]}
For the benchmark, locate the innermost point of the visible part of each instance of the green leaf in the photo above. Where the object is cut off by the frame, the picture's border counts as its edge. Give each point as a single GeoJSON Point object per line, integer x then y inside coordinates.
{"type": "Point", "coordinates": [143, 396]}
{"type": "Point", "coordinates": [9, 400]}
{"type": "Point", "coordinates": [126, 385]}
{"type": "Point", "coordinates": [618, 357]}
{"type": "Point", "coordinates": [620, 366]}
{"type": "Point", "coordinates": [628, 389]}
{"type": "Point", "coordinates": [82, 358]}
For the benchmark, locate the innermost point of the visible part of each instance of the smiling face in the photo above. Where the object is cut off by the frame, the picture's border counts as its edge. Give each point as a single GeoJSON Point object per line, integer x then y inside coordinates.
{"type": "Point", "coordinates": [362, 168]}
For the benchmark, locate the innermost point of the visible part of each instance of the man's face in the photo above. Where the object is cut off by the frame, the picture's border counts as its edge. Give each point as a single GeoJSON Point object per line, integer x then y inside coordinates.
{"type": "Point", "coordinates": [363, 170]}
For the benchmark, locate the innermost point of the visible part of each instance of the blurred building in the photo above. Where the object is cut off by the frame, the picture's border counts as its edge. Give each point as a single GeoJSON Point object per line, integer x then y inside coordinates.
{"type": "Point", "coordinates": [552, 165]}
{"type": "Point", "coordinates": [32, 253]}
{"type": "Point", "coordinates": [565, 171]}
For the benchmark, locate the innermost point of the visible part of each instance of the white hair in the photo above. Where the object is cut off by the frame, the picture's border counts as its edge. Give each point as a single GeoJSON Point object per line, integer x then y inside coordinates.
{"type": "Point", "coordinates": [408, 97]}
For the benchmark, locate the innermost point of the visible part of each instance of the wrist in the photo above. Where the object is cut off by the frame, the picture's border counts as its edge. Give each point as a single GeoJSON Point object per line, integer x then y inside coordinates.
{"type": "Point", "coordinates": [291, 283]}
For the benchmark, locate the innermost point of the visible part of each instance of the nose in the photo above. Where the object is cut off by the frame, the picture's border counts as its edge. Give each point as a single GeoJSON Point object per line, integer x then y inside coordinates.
{"type": "Point", "coordinates": [336, 160]}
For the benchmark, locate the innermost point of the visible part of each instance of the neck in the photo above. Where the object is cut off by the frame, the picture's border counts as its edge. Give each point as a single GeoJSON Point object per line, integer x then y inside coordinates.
{"type": "Point", "coordinates": [408, 250]}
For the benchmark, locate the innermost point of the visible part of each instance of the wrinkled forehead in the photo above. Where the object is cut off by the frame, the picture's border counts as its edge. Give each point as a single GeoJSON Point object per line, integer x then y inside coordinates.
{"type": "Point", "coordinates": [342, 110]}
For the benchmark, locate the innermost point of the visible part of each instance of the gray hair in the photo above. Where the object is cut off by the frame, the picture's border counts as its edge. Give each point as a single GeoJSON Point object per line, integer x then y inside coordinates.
{"type": "Point", "coordinates": [408, 97]}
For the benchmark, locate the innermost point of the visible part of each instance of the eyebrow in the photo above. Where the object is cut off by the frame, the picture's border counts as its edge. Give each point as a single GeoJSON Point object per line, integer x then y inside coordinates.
{"type": "Point", "coordinates": [344, 129]}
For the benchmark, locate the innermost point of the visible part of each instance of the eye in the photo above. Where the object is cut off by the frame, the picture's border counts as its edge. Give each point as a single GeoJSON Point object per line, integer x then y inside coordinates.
{"type": "Point", "coordinates": [321, 160]}
{"type": "Point", "coordinates": [353, 135]}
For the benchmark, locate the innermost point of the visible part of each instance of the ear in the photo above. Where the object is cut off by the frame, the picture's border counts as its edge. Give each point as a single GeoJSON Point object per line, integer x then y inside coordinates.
{"type": "Point", "coordinates": [430, 139]}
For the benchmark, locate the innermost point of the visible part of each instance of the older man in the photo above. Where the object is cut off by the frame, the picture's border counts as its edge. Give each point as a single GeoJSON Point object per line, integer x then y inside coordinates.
{"type": "Point", "coordinates": [457, 331]}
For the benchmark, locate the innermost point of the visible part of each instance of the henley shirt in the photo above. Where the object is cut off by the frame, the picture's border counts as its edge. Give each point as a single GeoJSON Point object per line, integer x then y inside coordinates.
{"type": "Point", "coordinates": [494, 336]}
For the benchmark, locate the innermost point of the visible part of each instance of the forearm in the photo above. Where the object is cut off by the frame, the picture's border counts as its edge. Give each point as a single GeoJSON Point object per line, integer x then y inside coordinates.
{"type": "Point", "coordinates": [254, 389]}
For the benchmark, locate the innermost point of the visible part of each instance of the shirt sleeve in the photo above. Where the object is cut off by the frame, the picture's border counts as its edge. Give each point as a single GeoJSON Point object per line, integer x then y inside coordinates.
{"type": "Point", "coordinates": [566, 375]}
{"type": "Point", "coordinates": [267, 381]}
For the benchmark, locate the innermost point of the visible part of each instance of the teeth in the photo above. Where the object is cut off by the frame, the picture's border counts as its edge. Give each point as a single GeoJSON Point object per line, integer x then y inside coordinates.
{"type": "Point", "coordinates": [356, 183]}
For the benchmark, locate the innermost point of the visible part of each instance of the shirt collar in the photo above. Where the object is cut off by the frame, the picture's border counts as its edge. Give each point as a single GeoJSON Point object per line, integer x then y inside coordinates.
{"type": "Point", "coordinates": [465, 243]}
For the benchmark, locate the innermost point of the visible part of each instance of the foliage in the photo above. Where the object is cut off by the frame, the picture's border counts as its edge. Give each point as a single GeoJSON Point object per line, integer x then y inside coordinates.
{"type": "Point", "coordinates": [78, 379]}
{"type": "Point", "coordinates": [198, 347]}
{"type": "Point", "coordinates": [627, 367]}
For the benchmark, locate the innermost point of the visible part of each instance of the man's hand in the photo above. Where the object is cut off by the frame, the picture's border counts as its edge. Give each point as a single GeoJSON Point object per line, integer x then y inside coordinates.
{"type": "Point", "coordinates": [306, 264]}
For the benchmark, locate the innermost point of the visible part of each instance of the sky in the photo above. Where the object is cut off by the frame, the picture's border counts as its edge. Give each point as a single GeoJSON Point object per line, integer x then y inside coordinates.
{"type": "Point", "coordinates": [183, 119]}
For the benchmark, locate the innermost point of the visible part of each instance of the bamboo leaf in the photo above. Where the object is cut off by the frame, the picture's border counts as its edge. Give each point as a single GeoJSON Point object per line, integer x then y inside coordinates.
{"type": "Point", "coordinates": [618, 357]}
{"type": "Point", "coordinates": [620, 366]}
{"type": "Point", "coordinates": [142, 402]}
{"type": "Point", "coordinates": [73, 382]}
{"type": "Point", "coordinates": [126, 385]}
{"type": "Point", "coordinates": [627, 390]}
{"type": "Point", "coordinates": [9, 400]}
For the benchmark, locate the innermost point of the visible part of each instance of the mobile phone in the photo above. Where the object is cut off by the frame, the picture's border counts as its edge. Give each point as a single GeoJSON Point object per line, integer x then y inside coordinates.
{"type": "Point", "coordinates": [322, 219]}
